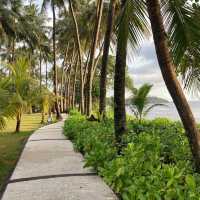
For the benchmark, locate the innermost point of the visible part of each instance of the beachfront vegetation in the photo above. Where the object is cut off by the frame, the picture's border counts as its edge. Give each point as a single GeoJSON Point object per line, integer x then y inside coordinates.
{"type": "Point", "coordinates": [155, 162]}
{"type": "Point", "coordinates": [140, 106]}
{"type": "Point", "coordinates": [66, 62]}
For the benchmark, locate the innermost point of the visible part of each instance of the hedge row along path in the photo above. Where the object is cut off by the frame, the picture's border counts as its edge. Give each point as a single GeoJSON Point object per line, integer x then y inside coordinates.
{"type": "Point", "coordinates": [50, 169]}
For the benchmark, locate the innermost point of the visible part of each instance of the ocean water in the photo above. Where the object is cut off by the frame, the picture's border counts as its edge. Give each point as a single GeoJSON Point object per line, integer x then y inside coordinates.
{"type": "Point", "coordinates": [169, 111]}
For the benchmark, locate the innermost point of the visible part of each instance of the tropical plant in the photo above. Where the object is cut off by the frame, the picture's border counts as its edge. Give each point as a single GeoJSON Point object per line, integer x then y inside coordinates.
{"type": "Point", "coordinates": [6, 110]}
{"type": "Point", "coordinates": [105, 57]}
{"type": "Point", "coordinates": [53, 4]}
{"type": "Point", "coordinates": [45, 100]}
{"type": "Point", "coordinates": [140, 106]}
{"type": "Point", "coordinates": [92, 57]}
{"type": "Point", "coordinates": [21, 88]}
{"type": "Point", "coordinates": [169, 76]}
{"type": "Point", "coordinates": [132, 26]}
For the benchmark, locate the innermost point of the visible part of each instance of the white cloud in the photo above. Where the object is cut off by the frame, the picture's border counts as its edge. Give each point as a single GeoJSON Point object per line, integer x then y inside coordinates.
{"type": "Point", "coordinates": [145, 69]}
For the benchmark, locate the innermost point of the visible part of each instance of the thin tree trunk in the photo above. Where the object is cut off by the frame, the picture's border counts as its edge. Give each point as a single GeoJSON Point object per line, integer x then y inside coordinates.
{"type": "Point", "coordinates": [80, 57]}
{"type": "Point", "coordinates": [68, 88]}
{"type": "Point", "coordinates": [92, 59]}
{"type": "Point", "coordinates": [18, 124]}
{"type": "Point", "coordinates": [62, 80]}
{"type": "Point", "coordinates": [43, 116]}
{"type": "Point", "coordinates": [74, 86]}
{"type": "Point", "coordinates": [86, 67]}
{"type": "Point", "coordinates": [96, 62]}
{"type": "Point", "coordinates": [119, 79]}
{"type": "Point", "coordinates": [55, 81]}
{"type": "Point", "coordinates": [70, 92]}
{"type": "Point", "coordinates": [171, 81]}
{"type": "Point", "coordinates": [46, 75]}
{"type": "Point", "coordinates": [65, 93]}
{"type": "Point", "coordinates": [13, 50]}
{"type": "Point", "coordinates": [40, 71]}
{"type": "Point", "coordinates": [103, 77]}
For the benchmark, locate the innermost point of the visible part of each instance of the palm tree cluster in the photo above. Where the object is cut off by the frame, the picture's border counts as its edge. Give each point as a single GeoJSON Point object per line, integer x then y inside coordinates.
{"type": "Point", "coordinates": [87, 45]}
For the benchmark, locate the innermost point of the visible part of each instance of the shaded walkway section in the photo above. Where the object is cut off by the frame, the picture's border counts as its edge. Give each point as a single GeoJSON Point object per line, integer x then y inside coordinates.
{"type": "Point", "coordinates": [49, 169]}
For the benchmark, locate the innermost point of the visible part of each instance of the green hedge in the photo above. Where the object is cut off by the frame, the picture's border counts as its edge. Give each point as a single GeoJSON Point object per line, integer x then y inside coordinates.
{"type": "Point", "coordinates": [155, 161]}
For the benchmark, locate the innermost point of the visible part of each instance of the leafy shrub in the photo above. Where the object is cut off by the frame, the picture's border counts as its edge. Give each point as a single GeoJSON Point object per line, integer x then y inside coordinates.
{"type": "Point", "coordinates": [155, 162]}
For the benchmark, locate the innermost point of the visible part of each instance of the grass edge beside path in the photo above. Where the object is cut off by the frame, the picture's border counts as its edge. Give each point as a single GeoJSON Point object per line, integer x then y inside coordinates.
{"type": "Point", "coordinates": [12, 144]}
{"type": "Point", "coordinates": [11, 148]}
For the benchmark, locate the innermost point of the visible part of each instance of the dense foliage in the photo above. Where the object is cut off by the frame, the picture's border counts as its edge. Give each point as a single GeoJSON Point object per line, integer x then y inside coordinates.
{"type": "Point", "coordinates": [155, 163]}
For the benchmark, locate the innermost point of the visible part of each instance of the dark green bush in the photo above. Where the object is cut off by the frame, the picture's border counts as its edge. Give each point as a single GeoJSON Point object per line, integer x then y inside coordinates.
{"type": "Point", "coordinates": [155, 162]}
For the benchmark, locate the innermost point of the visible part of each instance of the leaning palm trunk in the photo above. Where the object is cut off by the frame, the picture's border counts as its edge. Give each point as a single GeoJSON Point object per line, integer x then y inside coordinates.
{"type": "Point", "coordinates": [62, 80]}
{"type": "Point", "coordinates": [110, 23]}
{"type": "Point", "coordinates": [92, 59]}
{"type": "Point", "coordinates": [119, 78]}
{"type": "Point", "coordinates": [55, 81]}
{"type": "Point", "coordinates": [169, 76]}
{"type": "Point", "coordinates": [79, 57]}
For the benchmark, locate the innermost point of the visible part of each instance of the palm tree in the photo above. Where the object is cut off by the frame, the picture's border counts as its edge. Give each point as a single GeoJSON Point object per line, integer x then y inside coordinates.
{"type": "Point", "coordinates": [169, 76]}
{"type": "Point", "coordinates": [80, 56]}
{"type": "Point", "coordinates": [92, 58]}
{"type": "Point", "coordinates": [103, 77]}
{"type": "Point", "coordinates": [5, 97]}
{"type": "Point", "coordinates": [21, 88]}
{"type": "Point", "coordinates": [132, 25]}
{"type": "Point", "coordinates": [182, 22]}
{"type": "Point", "coordinates": [55, 81]}
{"type": "Point", "coordinates": [140, 106]}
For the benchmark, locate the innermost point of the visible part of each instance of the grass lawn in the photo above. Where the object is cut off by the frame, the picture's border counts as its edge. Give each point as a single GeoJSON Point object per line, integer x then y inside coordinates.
{"type": "Point", "coordinates": [12, 143]}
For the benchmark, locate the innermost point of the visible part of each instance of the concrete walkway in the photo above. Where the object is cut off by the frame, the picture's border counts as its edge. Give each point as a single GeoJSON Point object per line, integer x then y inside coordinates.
{"type": "Point", "coordinates": [49, 169]}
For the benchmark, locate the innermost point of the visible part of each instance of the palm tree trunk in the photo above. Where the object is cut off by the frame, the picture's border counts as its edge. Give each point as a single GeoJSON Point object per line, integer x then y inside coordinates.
{"type": "Point", "coordinates": [171, 81]}
{"type": "Point", "coordinates": [80, 57]}
{"type": "Point", "coordinates": [65, 93]}
{"type": "Point", "coordinates": [62, 80]}
{"type": "Point", "coordinates": [18, 124]}
{"type": "Point", "coordinates": [13, 50]}
{"type": "Point", "coordinates": [119, 79]}
{"type": "Point", "coordinates": [74, 86]}
{"type": "Point", "coordinates": [67, 88]}
{"type": "Point", "coordinates": [55, 81]}
{"type": "Point", "coordinates": [61, 91]}
{"type": "Point", "coordinates": [40, 71]}
{"type": "Point", "coordinates": [92, 59]}
{"type": "Point", "coordinates": [103, 77]}
{"type": "Point", "coordinates": [43, 116]}
{"type": "Point", "coordinates": [46, 75]}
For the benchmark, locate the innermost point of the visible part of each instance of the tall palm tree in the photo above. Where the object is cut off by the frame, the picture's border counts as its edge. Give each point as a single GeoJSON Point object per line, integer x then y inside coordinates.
{"type": "Point", "coordinates": [132, 26]}
{"type": "Point", "coordinates": [169, 76]}
{"type": "Point", "coordinates": [103, 76]}
{"type": "Point", "coordinates": [77, 34]}
{"type": "Point", "coordinates": [92, 58]}
{"type": "Point", "coordinates": [55, 79]}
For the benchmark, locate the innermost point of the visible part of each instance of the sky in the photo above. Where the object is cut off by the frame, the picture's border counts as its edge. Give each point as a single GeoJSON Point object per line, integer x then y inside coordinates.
{"type": "Point", "coordinates": [143, 68]}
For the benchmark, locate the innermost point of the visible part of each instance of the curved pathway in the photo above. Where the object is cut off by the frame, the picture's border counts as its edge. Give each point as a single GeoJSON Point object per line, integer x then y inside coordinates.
{"type": "Point", "coordinates": [49, 169]}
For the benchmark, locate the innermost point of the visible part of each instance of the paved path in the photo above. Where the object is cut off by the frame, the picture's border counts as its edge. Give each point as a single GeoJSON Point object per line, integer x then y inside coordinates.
{"type": "Point", "coordinates": [49, 169]}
